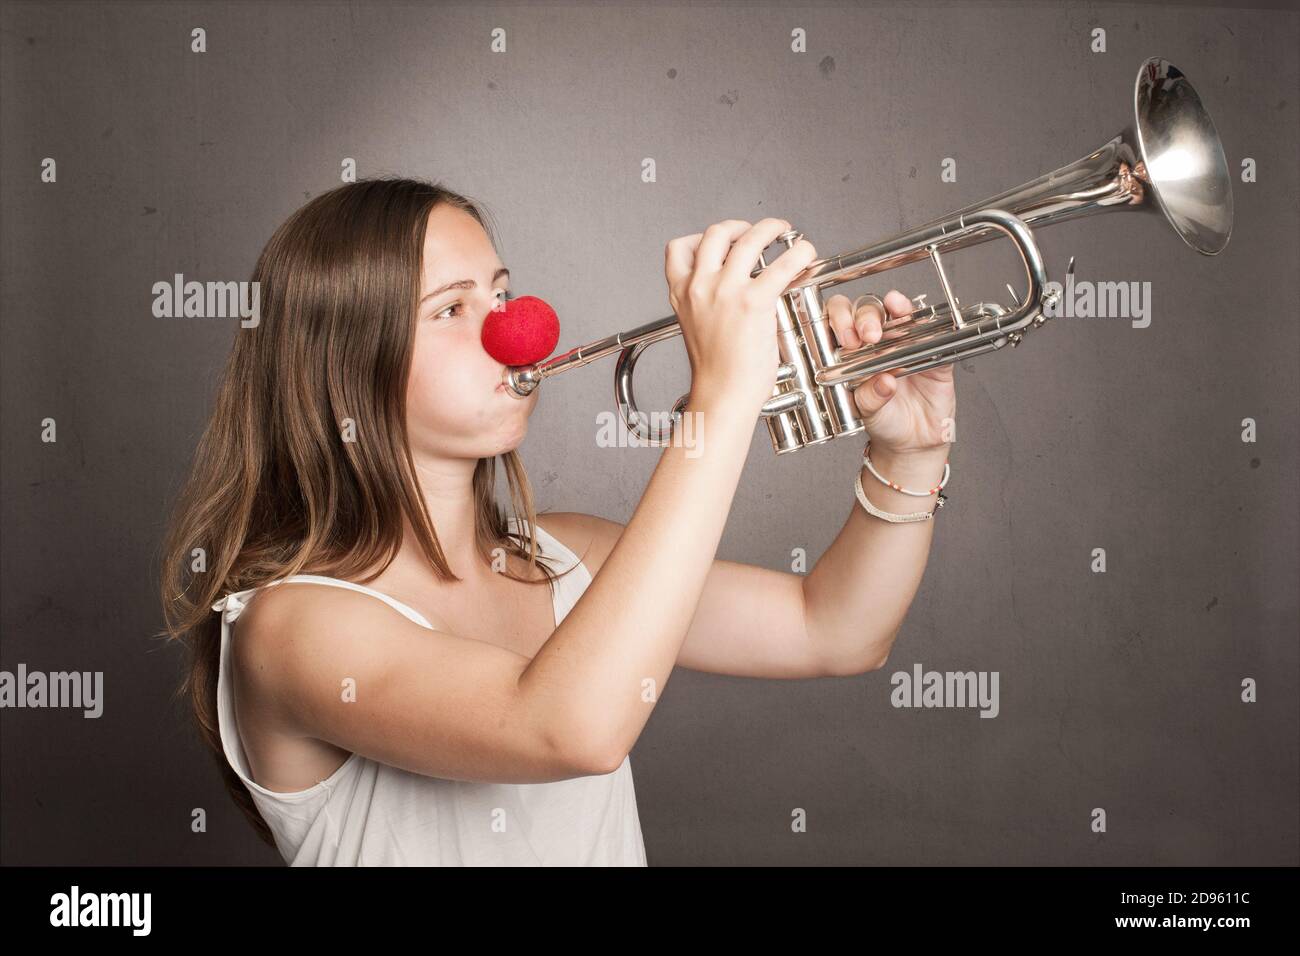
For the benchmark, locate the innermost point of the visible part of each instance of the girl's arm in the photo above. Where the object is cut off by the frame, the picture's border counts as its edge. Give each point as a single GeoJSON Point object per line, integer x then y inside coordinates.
{"type": "Point", "coordinates": [611, 657]}
{"type": "Point", "coordinates": [858, 593]}
{"type": "Point", "coordinates": [839, 619]}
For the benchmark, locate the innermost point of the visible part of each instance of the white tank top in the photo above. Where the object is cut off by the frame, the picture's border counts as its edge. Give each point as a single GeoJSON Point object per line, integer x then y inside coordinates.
{"type": "Point", "coordinates": [368, 813]}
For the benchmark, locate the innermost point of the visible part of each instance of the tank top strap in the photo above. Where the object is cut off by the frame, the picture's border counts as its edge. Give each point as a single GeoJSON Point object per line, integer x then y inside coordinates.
{"type": "Point", "coordinates": [551, 549]}
{"type": "Point", "coordinates": [569, 587]}
{"type": "Point", "coordinates": [233, 604]}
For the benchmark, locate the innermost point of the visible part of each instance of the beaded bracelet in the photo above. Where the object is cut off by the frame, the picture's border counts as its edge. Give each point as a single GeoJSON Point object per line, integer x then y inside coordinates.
{"type": "Point", "coordinates": [866, 460]}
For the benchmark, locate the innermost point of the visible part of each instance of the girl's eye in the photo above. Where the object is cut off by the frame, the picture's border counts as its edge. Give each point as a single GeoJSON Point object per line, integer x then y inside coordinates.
{"type": "Point", "coordinates": [458, 306]}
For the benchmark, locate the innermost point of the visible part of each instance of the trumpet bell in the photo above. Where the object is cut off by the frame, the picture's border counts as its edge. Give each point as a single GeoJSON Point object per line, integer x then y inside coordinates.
{"type": "Point", "coordinates": [1182, 156]}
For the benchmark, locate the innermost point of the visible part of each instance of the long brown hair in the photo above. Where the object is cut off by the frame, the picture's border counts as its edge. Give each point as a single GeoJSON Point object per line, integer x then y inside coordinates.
{"type": "Point", "coordinates": [275, 489]}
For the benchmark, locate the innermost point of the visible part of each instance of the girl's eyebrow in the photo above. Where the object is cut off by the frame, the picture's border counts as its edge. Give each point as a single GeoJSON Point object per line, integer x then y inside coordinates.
{"type": "Point", "coordinates": [463, 284]}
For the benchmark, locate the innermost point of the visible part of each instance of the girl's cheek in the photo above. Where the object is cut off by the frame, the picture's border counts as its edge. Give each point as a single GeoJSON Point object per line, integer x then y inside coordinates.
{"type": "Point", "coordinates": [438, 392]}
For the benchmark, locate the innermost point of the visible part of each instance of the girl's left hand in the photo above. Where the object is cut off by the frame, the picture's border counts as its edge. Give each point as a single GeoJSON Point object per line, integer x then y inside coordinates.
{"type": "Point", "coordinates": [916, 411]}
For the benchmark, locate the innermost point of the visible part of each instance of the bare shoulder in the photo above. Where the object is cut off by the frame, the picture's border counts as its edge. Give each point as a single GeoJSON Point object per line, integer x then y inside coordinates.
{"type": "Point", "coordinates": [295, 630]}
{"type": "Point", "coordinates": [590, 537]}
{"type": "Point", "coordinates": [301, 602]}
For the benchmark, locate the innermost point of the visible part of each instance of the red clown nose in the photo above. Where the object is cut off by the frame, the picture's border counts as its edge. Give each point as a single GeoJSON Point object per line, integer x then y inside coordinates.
{"type": "Point", "coordinates": [523, 332]}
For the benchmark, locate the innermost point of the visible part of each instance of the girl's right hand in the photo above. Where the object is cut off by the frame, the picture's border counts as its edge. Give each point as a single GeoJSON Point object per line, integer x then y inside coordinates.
{"type": "Point", "coordinates": [728, 318]}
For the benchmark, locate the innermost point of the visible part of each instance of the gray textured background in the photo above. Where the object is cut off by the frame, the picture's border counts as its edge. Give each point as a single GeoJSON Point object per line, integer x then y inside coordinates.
{"type": "Point", "coordinates": [1118, 691]}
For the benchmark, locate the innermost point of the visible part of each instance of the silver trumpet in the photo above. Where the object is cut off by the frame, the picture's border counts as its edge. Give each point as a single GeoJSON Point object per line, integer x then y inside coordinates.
{"type": "Point", "coordinates": [1167, 159]}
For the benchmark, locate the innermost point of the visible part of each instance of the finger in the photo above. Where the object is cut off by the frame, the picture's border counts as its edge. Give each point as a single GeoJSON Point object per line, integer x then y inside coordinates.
{"type": "Point", "coordinates": [899, 305]}
{"type": "Point", "coordinates": [679, 254]}
{"type": "Point", "coordinates": [868, 393]}
{"type": "Point", "coordinates": [782, 271]}
{"type": "Point", "coordinates": [840, 316]}
{"type": "Point", "coordinates": [717, 242]}
{"type": "Point", "coordinates": [868, 317]}
{"type": "Point", "coordinates": [743, 257]}
{"type": "Point", "coordinates": [679, 257]}
{"type": "Point", "coordinates": [901, 311]}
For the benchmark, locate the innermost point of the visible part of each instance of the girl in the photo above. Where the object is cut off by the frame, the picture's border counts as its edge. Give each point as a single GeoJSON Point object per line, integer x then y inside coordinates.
{"type": "Point", "coordinates": [383, 681]}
